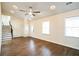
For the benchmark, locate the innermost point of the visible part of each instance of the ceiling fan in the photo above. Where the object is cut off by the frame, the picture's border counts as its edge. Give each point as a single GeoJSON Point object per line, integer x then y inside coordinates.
{"type": "Point", "coordinates": [30, 11]}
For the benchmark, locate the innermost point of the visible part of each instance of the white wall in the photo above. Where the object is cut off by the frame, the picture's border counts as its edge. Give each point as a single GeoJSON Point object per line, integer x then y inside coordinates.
{"type": "Point", "coordinates": [56, 29]}
{"type": "Point", "coordinates": [18, 26]}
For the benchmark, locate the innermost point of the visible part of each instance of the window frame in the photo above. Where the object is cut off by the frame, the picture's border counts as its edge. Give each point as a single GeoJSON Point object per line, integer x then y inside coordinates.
{"type": "Point", "coordinates": [69, 27]}
{"type": "Point", "coordinates": [43, 32]}
{"type": "Point", "coordinates": [5, 22]}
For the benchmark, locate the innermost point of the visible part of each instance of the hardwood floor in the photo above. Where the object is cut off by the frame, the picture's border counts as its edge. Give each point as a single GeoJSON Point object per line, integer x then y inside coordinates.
{"type": "Point", "coordinates": [35, 47]}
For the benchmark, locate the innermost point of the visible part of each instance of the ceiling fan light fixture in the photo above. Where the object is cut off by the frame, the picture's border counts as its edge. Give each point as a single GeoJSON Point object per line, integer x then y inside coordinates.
{"type": "Point", "coordinates": [30, 13]}
{"type": "Point", "coordinates": [29, 16]}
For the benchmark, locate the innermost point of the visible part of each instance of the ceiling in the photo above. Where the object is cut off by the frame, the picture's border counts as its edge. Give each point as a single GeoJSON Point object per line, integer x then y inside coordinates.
{"type": "Point", "coordinates": [43, 7]}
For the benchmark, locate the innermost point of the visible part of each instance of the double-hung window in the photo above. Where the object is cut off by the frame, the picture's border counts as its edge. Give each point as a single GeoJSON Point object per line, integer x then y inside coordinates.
{"type": "Point", "coordinates": [45, 27]}
{"type": "Point", "coordinates": [72, 27]}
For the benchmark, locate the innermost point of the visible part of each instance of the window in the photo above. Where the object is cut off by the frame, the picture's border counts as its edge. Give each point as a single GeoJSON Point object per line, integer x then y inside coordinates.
{"type": "Point", "coordinates": [5, 20]}
{"type": "Point", "coordinates": [72, 27]}
{"type": "Point", "coordinates": [26, 28]}
{"type": "Point", "coordinates": [45, 27]}
{"type": "Point", "coordinates": [32, 28]}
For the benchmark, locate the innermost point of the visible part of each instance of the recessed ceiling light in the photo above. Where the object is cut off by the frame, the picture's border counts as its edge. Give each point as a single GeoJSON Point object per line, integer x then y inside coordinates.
{"type": "Point", "coordinates": [12, 11]}
{"type": "Point", "coordinates": [15, 7]}
{"type": "Point", "coordinates": [52, 7]}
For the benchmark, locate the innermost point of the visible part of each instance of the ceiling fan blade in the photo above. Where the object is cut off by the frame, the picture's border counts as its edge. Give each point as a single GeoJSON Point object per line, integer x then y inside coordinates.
{"type": "Point", "coordinates": [36, 11]}
{"type": "Point", "coordinates": [33, 14]}
{"type": "Point", "coordinates": [22, 10]}
{"type": "Point", "coordinates": [30, 7]}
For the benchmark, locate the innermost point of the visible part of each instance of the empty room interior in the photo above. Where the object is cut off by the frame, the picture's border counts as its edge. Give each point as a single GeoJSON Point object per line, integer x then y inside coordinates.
{"type": "Point", "coordinates": [39, 28]}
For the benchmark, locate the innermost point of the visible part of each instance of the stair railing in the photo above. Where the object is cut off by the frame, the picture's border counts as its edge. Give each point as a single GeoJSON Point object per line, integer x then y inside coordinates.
{"type": "Point", "coordinates": [11, 29]}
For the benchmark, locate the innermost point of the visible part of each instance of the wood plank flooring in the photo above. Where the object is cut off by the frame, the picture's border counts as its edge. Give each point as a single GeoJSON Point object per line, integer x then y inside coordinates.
{"type": "Point", "coordinates": [29, 46]}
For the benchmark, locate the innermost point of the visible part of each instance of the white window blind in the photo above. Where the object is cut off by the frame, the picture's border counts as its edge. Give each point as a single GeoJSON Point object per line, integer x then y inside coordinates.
{"type": "Point", "coordinates": [45, 27]}
{"type": "Point", "coordinates": [72, 27]}
{"type": "Point", "coordinates": [32, 28]}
